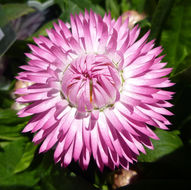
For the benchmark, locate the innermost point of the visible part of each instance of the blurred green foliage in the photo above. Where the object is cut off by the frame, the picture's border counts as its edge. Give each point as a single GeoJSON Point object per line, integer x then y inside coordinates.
{"type": "Point", "coordinates": [168, 165]}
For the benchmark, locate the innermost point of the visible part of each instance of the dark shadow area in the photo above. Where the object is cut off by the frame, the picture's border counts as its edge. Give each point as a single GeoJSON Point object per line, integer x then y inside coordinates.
{"type": "Point", "coordinates": [170, 172]}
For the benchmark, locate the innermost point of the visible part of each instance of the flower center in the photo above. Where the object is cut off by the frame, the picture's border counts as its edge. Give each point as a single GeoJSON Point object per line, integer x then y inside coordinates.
{"type": "Point", "coordinates": [91, 82]}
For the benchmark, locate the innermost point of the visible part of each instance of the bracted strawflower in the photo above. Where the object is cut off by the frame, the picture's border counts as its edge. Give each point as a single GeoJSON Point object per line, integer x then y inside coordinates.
{"type": "Point", "coordinates": [96, 89]}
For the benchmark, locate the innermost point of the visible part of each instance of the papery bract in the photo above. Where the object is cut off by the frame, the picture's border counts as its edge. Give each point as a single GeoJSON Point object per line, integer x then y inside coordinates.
{"type": "Point", "coordinates": [95, 89]}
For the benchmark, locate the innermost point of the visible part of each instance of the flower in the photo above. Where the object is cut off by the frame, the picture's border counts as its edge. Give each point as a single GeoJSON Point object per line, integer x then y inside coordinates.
{"type": "Point", "coordinates": [133, 17]}
{"type": "Point", "coordinates": [123, 177]}
{"type": "Point", "coordinates": [19, 84]}
{"type": "Point", "coordinates": [96, 90]}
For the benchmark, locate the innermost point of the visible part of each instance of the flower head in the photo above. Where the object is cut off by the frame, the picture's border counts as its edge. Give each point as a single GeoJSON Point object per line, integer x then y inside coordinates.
{"type": "Point", "coordinates": [95, 89]}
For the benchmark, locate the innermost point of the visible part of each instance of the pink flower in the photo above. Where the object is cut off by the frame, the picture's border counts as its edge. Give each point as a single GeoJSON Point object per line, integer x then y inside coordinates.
{"type": "Point", "coordinates": [95, 89]}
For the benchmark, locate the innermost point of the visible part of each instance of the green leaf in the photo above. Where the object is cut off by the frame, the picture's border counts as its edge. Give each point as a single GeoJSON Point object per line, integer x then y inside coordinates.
{"type": "Point", "coordinates": [144, 23]}
{"type": "Point", "coordinates": [27, 157]}
{"type": "Point", "coordinates": [146, 7]}
{"type": "Point", "coordinates": [3, 17]}
{"type": "Point", "coordinates": [176, 37]}
{"type": "Point", "coordinates": [10, 158]}
{"type": "Point", "coordinates": [183, 71]}
{"type": "Point", "coordinates": [59, 180]}
{"type": "Point", "coordinates": [54, 177]}
{"type": "Point", "coordinates": [7, 34]}
{"type": "Point", "coordinates": [3, 144]}
{"type": "Point", "coordinates": [105, 187]}
{"type": "Point", "coordinates": [5, 100]}
{"type": "Point", "coordinates": [159, 17]}
{"type": "Point", "coordinates": [13, 11]}
{"type": "Point", "coordinates": [69, 8]}
{"type": "Point", "coordinates": [10, 128]}
{"type": "Point", "coordinates": [9, 117]}
{"type": "Point", "coordinates": [87, 4]}
{"type": "Point", "coordinates": [76, 6]}
{"type": "Point", "coordinates": [169, 142]}
{"type": "Point", "coordinates": [138, 5]}
{"type": "Point", "coordinates": [125, 6]}
{"type": "Point", "coordinates": [24, 179]}
{"type": "Point", "coordinates": [11, 132]}
{"type": "Point", "coordinates": [113, 7]}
